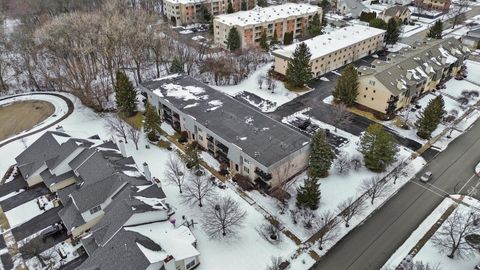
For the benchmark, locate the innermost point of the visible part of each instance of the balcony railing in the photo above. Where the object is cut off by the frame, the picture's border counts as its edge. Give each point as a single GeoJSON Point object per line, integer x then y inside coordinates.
{"type": "Point", "coordinates": [265, 176]}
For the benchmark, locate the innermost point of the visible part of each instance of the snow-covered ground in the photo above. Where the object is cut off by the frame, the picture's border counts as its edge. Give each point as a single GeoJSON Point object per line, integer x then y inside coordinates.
{"type": "Point", "coordinates": [52, 257]}
{"type": "Point", "coordinates": [61, 109]}
{"type": "Point", "coordinates": [23, 213]}
{"type": "Point", "coordinates": [430, 253]}
{"type": "Point", "coordinates": [271, 101]}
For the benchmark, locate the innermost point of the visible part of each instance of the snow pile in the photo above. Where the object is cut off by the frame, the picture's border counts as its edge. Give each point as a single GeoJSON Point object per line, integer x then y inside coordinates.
{"type": "Point", "coordinates": [211, 161]}
{"type": "Point", "coordinates": [184, 92]}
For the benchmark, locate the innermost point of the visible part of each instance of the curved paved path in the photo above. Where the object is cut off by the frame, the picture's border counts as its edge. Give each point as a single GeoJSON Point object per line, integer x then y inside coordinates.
{"type": "Point", "coordinates": [70, 110]}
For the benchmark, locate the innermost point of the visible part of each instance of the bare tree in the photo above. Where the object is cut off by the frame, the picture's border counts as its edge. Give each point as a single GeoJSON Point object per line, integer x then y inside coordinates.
{"type": "Point", "coordinates": [308, 219]}
{"type": "Point", "coordinates": [340, 115]}
{"type": "Point", "coordinates": [450, 237]}
{"type": "Point", "coordinates": [356, 162]}
{"type": "Point", "coordinates": [280, 192]}
{"type": "Point", "coordinates": [270, 231]}
{"type": "Point", "coordinates": [399, 171]}
{"type": "Point", "coordinates": [350, 208]}
{"type": "Point", "coordinates": [34, 248]}
{"type": "Point", "coordinates": [457, 12]}
{"type": "Point", "coordinates": [273, 86]}
{"type": "Point", "coordinates": [417, 265]}
{"type": "Point", "coordinates": [175, 172]}
{"type": "Point", "coordinates": [118, 126]}
{"type": "Point", "coordinates": [223, 217]}
{"type": "Point", "coordinates": [260, 80]}
{"type": "Point", "coordinates": [270, 81]}
{"type": "Point", "coordinates": [342, 164]}
{"type": "Point", "coordinates": [373, 187]}
{"type": "Point", "coordinates": [134, 135]}
{"type": "Point", "coordinates": [197, 189]}
{"type": "Point", "coordinates": [327, 225]}
{"type": "Point", "coordinates": [275, 263]}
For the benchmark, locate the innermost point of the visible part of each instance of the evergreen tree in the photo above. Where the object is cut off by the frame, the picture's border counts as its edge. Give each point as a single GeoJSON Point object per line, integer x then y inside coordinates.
{"type": "Point", "coordinates": [325, 5]}
{"type": "Point", "coordinates": [321, 156]}
{"type": "Point", "coordinates": [378, 148]}
{"type": "Point", "coordinates": [378, 23]}
{"type": "Point", "coordinates": [315, 27]}
{"type": "Point", "coordinates": [299, 69]}
{"type": "Point", "coordinates": [263, 41]}
{"type": "Point", "coordinates": [152, 122]}
{"type": "Point", "coordinates": [233, 40]}
{"type": "Point", "coordinates": [430, 117]}
{"type": "Point", "coordinates": [176, 66]}
{"type": "Point", "coordinates": [393, 31]}
{"type": "Point", "coordinates": [436, 30]}
{"type": "Point", "coordinates": [274, 38]}
{"type": "Point", "coordinates": [288, 38]}
{"type": "Point", "coordinates": [262, 3]}
{"type": "Point", "coordinates": [243, 5]}
{"type": "Point", "coordinates": [309, 194]}
{"type": "Point", "coordinates": [125, 94]}
{"type": "Point", "coordinates": [346, 89]}
{"type": "Point", "coordinates": [230, 8]}
{"type": "Point", "coordinates": [191, 156]}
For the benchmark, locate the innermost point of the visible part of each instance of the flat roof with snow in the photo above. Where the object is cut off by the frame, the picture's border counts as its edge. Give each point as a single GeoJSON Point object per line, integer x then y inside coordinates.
{"type": "Point", "coordinates": [324, 44]}
{"type": "Point", "coordinates": [267, 14]}
{"type": "Point", "coordinates": [259, 136]}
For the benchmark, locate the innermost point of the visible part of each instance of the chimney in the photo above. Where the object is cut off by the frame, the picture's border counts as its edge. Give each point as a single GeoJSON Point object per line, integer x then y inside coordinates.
{"type": "Point", "coordinates": [60, 128]}
{"type": "Point", "coordinates": [121, 146]}
{"type": "Point", "coordinates": [146, 171]}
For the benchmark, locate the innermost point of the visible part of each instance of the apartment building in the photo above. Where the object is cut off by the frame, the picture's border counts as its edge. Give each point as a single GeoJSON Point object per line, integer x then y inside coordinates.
{"type": "Point", "coordinates": [251, 24]}
{"type": "Point", "coordinates": [335, 49]}
{"type": "Point", "coordinates": [184, 12]}
{"type": "Point", "coordinates": [438, 5]}
{"type": "Point", "coordinates": [241, 138]}
{"type": "Point", "coordinates": [388, 86]}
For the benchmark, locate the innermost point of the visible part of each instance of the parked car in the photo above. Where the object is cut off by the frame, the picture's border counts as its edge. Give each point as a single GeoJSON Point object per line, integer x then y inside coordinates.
{"type": "Point", "coordinates": [426, 176]}
{"type": "Point", "coordinates": [52, 230]}
{"type": "Point", "coordinates": [477, 169]}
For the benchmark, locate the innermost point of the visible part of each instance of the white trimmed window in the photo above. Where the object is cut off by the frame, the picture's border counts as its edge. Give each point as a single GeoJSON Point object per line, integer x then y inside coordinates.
{"type": "Point", "coordinates": [95, 209]}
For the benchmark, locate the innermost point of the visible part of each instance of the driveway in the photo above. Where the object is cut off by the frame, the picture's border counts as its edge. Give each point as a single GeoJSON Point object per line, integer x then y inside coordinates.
{"type": "Point", "coordinates": [37, 223]}
{"type": "Point", "coordinates": [23, 197]}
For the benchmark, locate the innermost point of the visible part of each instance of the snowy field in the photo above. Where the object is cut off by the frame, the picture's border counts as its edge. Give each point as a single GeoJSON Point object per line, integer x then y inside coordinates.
{"type": "Point", "coordinates": [248, 250]}
{"type": "Point", "coordinates": [271, 101]}
{"type": "Point", "coordinates": [429, 253]}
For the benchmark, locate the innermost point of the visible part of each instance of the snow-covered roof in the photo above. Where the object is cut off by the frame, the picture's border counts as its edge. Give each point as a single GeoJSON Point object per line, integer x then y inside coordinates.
{"type": "Point", "coordinates": [177, 242]}
{"type": "Point", "coordinates": [268, 14]}
{"type": "Point", "coordinates": [324, 44]}
{"type": "Point", "coordinates": [185, 2]}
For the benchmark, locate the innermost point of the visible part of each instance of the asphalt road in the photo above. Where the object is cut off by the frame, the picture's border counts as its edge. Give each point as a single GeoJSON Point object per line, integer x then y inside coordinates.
{"type": "Point", "coordinates": [370, 245]}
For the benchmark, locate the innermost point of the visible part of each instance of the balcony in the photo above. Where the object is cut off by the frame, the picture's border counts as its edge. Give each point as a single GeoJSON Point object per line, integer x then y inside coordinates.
{"type": "Point", "coordinates": [222, 147]}
{"type": "Point", "coordinates": [263, 175]}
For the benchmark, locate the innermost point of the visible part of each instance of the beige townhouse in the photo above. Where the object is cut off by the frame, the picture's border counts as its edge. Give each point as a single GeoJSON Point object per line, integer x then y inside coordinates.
{"type": "Point", "coordinates": [388, 86]}
{"type": "Point", "coordinates": [286, 18]}
{"type": "Point", "coordinates": [335, 49]}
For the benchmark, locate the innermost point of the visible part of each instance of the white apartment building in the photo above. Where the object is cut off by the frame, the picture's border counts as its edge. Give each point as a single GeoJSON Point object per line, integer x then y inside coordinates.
{"type": "Point", "coordinates": [335, 49]}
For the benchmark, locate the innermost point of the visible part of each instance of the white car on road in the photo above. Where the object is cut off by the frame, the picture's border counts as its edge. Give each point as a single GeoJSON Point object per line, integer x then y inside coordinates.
{"type": "Point", "coordinates": [426, 176]}
{"type": "Point", "coordinates": [477, 169]}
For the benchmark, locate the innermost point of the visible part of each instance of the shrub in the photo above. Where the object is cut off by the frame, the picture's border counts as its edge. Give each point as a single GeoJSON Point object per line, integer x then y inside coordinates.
{"type": "Point", "coordinates": [243, 181]}
{"type": "Point", "coordinates": [152, 136]}
{"type": "Point", "coordinates": [164, 144]}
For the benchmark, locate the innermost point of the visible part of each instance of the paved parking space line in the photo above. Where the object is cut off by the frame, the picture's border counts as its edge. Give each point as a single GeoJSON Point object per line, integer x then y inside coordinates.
{"type": "Point", "coordinates": [466, 183]}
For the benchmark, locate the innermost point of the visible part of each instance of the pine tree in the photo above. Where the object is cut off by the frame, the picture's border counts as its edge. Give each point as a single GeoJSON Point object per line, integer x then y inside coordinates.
{"type": "Point", "coordinates": [243, 5]}
{"type": "Point", "coordinates": [393, 32]}
{"type": "Point", "coordinates": [315, 27]}
{"type": "Point", "coordinates": [346, 89]}
{"type": "Point", "coordinates": [125, 94]}
{"type": "Point", "coordinates": [436, 30]}
{"type": "Point", "coordinates": [274, 38]}
{"type": "Point", "coordinates": [299, 69]}
{"type": "Point", "coordinates": [191, 156]}
{"type": "Point", "coordinates": [321, 156]}
{"type": "Point", "coordinates": [233, 40]}
{"type": "Point", "coordinates": [230, 7]}
{"type": "Point", "coordinates": [263, 41]}
{"type": "Point", "coordinates": [430, 117]}
{"type": "Point", "coordinates": [378, 148]}
{"type": "Point", "coordinates": [288, 38]}
{"type": "Point", "coordinates": [378, 23]}
{"type": "Point", "coordinates": [176, 66]}
{"type": "Point", "coordinates": [325, 5]}
{"type": "Point", "coordinates": [262, 3]}
{"type": "Point", "coordinates": [309, 194]}
{"type": "Point", "coordinates": [152, 122]}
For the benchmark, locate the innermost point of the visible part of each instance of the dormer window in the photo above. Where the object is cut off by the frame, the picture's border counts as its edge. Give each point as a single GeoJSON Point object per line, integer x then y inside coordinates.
{"type": "Point", "coordinates": [95, 209]}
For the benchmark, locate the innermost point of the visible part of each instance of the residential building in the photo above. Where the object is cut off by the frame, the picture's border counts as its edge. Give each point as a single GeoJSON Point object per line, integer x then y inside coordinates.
{"type": "Point", "coordinates": [351, 8]}
{"type": "Point", "coordinates": [335, 49]}
{"type": "Point", "coordinates": [251, 24]}
{"type": "Point", "coordinates": [103, 195]}
{"type": "Point", "coordinates": [437, 5]}
{"type": "Point", "coordinates": [244, 140]}
{"type": "Point", "coordinates": [472, 38]}
{"type": "Point", "coordinates": [184, 12]}
{"type": "Point", "coordinates": [401, 13]}
{"type": "Point", "coordinates": [397, 2]}
{"type": "Point", "coordinates": [388, 86]}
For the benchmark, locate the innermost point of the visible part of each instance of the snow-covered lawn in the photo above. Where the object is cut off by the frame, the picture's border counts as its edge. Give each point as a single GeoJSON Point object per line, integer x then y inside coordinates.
{"type": "Point", "coordinates": [23, 213]}
{"type": "Point", "coordinates": [429, 253]}
{"type": "Point", "coordinates": [270, 101]}
{"type": "Point", "coordinates": [61, 109]}
{"type": "Point", "coordinates": [210, 160]}
{"type": "Point", "coordinates": [409, 30]}
{"type": "Point", "coordinates": [397, 47]}
{"type": "Point", "coordinates": [248, 250]}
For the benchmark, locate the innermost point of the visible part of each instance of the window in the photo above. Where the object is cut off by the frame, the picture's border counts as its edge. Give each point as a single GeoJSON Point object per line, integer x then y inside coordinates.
{"type": "Point", "coordinates": [246, 169]}
{"type": "Point", "coordinates": [372, 98]}
{"type": "Point", "coordinates": [364, 96]}
{"type": "Point", "coordinates": [95, 209]}
{"type": "Point", "coordinates": [374, 91]}
{"type": "Point", "coordinates": [190, 264]}
{"type": "Point", "coordinates": [366, 88]}
{"type": "Point", "coordinates": [200, 138]}
{"type": "Point", "coordinates": [246, 161]}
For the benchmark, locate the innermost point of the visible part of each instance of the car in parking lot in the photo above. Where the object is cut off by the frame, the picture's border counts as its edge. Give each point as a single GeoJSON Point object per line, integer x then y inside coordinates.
{"type": "Point", "coordinates": [477, 169]}
{"type": "Point", "coordinates": [426, 176]}
{"type": "Point", "coordinates": [52, 230]}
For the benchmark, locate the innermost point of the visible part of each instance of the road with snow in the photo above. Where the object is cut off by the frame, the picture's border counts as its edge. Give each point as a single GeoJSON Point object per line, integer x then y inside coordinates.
{"type": "Point", "coordinates": [370, 245]}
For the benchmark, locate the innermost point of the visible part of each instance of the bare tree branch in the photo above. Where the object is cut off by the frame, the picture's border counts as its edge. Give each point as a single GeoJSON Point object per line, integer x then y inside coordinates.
{"type": "Point", "coordinates": [175, 172]}
{"type": "Point", "coordinates": [223, 217]}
